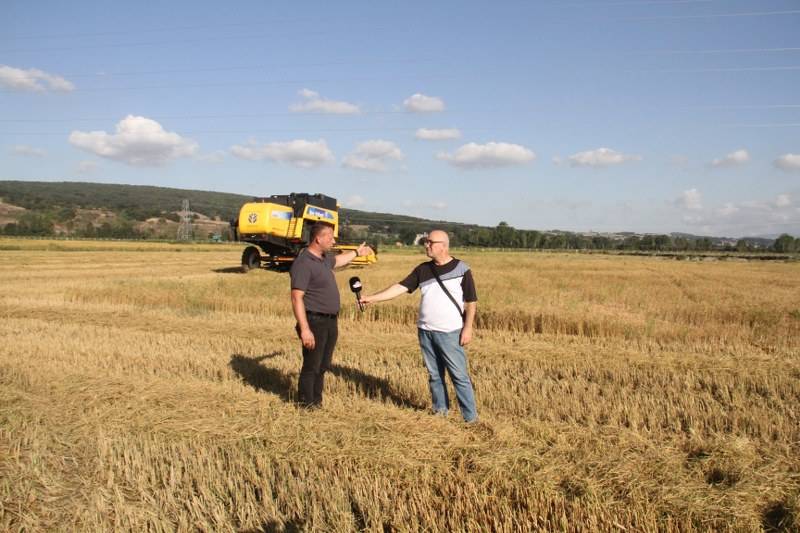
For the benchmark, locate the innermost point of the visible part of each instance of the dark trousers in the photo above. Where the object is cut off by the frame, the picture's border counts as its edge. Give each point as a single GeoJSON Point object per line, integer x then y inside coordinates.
{"type": "Point", "coordinates": [317, 361]}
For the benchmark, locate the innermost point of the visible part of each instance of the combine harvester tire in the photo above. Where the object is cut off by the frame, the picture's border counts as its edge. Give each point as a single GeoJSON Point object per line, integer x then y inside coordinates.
{"type": "Point", "coordinates": [251, 258]}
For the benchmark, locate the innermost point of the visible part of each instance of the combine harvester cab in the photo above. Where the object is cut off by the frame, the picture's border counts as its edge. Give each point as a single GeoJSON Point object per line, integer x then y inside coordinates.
{"type": "Point", "coordinates": [280, 226]}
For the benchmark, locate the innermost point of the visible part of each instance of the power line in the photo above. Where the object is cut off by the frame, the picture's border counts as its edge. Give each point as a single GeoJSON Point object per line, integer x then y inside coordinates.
{"type": "Point", "coordinates": [717, 51]}
{"type": "Point", "coordinates": [362, 113]}
{"type": "Point", "coordinates": [433, 61]}
{"type": "Point", "coordinates": [765, 125]}
{"type": "Point", "coordinates": [633, 3]}
{"type": "Point", "coordinates": [719, 15]}
{"type": "Point", "coordinates": [255, 67]}
{"type": "Point", "coordinates": [138, 31]}
{"type": "Point", "coordinates": [293, 34]}
{"type": "Point", "coordinates": [741, 106]}
{"type": "Point", "coordinates": [250, 131]}
{"type": "Point", "coordinates": [307, 82]}
{"type": "Point", "coordinates": [202, 117]}
{"type": "Point", "coordinates": [723, 69]}
{"type": "Point", "coordinates": [266, 82]}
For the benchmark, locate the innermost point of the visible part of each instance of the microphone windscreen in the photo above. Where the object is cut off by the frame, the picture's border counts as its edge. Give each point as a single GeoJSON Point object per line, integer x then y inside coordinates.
{"type": "Point", "coordinates": [355, 284]}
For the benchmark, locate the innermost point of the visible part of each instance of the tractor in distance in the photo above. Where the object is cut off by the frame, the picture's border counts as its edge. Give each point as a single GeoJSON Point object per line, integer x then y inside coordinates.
{"type": "Point", "coordinates": [278, 228]}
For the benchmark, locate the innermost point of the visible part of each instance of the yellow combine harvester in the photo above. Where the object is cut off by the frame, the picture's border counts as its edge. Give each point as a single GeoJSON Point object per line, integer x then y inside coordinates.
{"type": "Point", "coordinates": [280, 225]}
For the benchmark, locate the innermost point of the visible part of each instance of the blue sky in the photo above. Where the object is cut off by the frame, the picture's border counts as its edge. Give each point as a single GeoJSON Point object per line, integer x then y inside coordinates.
{"type": "Point", "coordinates": [648, 116]}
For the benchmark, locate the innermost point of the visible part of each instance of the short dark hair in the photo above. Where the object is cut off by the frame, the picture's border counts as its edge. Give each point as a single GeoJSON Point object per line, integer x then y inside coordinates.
{"type": "Point", "coordinates": [316, 229]}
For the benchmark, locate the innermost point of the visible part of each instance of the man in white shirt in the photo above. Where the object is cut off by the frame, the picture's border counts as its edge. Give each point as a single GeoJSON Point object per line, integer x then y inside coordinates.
{"type": "Point", "coordinates": [446, 317]}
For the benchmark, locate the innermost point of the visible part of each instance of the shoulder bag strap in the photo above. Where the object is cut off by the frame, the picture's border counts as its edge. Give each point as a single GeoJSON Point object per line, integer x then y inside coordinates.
{"type": "Point", "coordinates": [435, 275]}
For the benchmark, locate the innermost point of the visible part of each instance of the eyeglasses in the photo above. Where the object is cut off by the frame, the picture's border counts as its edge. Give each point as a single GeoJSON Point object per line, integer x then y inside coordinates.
{"type": "Point", "coordinates": [428, 242]}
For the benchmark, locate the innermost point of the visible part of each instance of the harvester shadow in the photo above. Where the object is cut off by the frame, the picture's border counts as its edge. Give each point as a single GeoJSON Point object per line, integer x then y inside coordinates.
{"type": "Point", "coordinates": [228, 270]}
{"type": "Point", "coordinates": [240, 270]}
{"type": "Point", "coordinates": [261, 377]}
{"type": "Point", "coordinates": [374, 387]}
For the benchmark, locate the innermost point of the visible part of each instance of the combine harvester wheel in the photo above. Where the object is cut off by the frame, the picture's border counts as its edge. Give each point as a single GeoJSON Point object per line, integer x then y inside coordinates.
{"type": "Point", "coordinates": [251, 258]}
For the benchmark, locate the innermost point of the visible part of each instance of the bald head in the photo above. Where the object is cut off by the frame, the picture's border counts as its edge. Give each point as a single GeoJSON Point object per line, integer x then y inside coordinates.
{"type": "Point", "coordinates": [439, 235]}
{"type": "Point", "coordinates": [437, 246]}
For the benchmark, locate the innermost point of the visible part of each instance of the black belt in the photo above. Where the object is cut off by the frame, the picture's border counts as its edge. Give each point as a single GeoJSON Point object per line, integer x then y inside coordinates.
{"type": "Point", "coordinates": [324, 315]}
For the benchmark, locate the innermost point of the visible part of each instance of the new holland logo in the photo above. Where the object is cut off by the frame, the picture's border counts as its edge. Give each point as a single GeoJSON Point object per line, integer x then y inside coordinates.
{"type": "Point", "coordinates": [252, 217]}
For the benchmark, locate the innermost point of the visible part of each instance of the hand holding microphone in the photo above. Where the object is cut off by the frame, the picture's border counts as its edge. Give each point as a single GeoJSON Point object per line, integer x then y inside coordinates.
{"type": "Point", "coordinates": [355, 286]}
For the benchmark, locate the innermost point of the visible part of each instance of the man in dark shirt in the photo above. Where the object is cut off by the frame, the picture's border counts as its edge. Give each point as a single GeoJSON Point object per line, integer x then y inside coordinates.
{"type": "Point", "coordinates": [315, 303]}
{"type": "Point", "coordinates": [446, 317]}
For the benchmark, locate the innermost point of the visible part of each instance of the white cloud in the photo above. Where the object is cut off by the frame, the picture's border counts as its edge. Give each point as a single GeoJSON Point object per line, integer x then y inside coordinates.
{"type": "Point", "coordinates": [690, 199]}
{"type": "Point", "coordinates": [33, 79]}
{"type": "Point", "coordinates": [739, 157]}
{"type": "Point", "coordinates": [696, 220]}
{"type": "Point", "coordinates": [28, 151]}
{"type": "Point", "coordinates": [438, 135]}
{"type": "Point", "coordinates": [86, 167]}
{"type": "Point", "coordinates": [212, 157]}
{"type": "Point", "coordinates": [300, 152]}
{"type": "Point", "coordinates": [138, 141]}
{"type": "Point", "coordinates": [355, 201]}
{"type": "Point", "coordinates": [727, 210]}
{"type": "Point", "coordinates": [492, 154]}
{"type": "Point", "coordinates": [751, 217]}
{"type": "Point", "coordinates": [373, 155]}
{"type": "Point", "coordinates": [788, 162]}
{"type": "Point", "coordinates": [601, 157]}
{"type": "Point", "coordinates": [557, 160]}
{"type": "Point", "coordinates": [314, 103]}
{"type": "Point", "coordinates": [419, 103]}
{"type": "Point", "coordinates": [438, 205]}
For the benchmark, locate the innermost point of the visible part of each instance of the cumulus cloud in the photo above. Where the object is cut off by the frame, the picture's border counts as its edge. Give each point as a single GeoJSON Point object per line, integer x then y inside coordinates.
{"type": "Point", "coordinates": [426, 134]}
{"type": "Point", "coordinates": [33, 80]}
{"type": "Point", "coordinates": [734, 159]}
{"type": "Point", "coordinates": [492, 154]}
{"type": "Point", "coordinates": [727, 210]}
{"type": "Point", "coordinates": [751, 217]}
{"type": "Point", "coordinates": [138, 141]}
{"type": "Point", "coordinates": [788, 162]}
{"type": "Point", "coordinates": [28, 151]}
{"type": "Point", "coordinates": [690, 199]}
{"type": "Point", "coordinates": [420, 103]}
{"type": "Point", "coordinates": [84, 168]}
{"type": "Point", "coordinates": [373, 155]}
{"type": "Point", "coordinates": [355, 201]}
{"type": "Point", "coordinates": [299, 152]}
{"type": "Point", "coordinates": [314, 103]}
{"type": "Point", "coordinates": [601, 157]}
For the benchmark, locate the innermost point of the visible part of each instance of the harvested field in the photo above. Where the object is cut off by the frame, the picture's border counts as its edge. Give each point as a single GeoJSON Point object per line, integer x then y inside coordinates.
{"type": "Point", "coordinates": [150, 387]}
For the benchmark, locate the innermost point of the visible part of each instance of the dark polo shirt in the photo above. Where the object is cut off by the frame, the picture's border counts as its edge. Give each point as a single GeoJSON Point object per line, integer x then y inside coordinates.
{"type": "Point", "coordinates": [314, 276]}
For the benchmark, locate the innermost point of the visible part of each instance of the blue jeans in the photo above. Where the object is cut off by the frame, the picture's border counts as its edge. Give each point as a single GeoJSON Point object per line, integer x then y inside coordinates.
{"type": "Point", "coordinates": [443, 352]}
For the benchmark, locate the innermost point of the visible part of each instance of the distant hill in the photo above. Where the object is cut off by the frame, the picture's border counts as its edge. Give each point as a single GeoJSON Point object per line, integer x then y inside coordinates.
{"type": "Point", "coordinates": [139, 203]}
{"type": "Point", "coordinates": [141, 211]}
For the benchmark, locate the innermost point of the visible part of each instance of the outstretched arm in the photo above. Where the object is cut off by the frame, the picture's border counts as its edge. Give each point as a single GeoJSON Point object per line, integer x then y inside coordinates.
{"type": "Point", "coordinates": [345, 258]}
{"type": "Point", "coordinates": [386, 294]}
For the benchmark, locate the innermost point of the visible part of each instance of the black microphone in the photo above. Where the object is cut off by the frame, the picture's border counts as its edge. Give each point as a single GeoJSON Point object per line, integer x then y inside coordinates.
{"type": "Point", "coordinates": [355, 286]}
